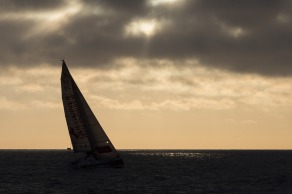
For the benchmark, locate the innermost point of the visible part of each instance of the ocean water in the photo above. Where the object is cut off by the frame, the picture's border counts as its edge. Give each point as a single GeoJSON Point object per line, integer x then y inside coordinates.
{"type": "Point", "coordinates": [149, 171]}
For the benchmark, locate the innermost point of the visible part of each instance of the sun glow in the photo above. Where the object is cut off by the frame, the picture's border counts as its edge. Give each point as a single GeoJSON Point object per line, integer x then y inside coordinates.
{"type": "Point", "coordinates": [46, 21]}
{"type": "Point", "coordinates": [142, 28]}
{"type": "Point", "coordinates": [159, 2]}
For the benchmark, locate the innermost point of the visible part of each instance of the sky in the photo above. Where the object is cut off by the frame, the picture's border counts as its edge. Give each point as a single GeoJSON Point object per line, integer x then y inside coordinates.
{"type": "Point", "coordinates": [158, 74]}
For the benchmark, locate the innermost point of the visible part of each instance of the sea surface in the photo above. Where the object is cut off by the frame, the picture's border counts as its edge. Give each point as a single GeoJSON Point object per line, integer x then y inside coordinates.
{"type": "Point", "coordinates": [149, 171]}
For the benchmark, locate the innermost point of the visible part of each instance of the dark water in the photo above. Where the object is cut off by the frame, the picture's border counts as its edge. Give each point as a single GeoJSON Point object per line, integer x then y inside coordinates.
{"type": "Point", "coordinates": [149, 171]}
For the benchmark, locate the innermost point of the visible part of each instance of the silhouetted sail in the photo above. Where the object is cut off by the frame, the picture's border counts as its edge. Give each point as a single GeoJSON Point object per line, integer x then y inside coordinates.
{"type": "Point", "coordinates": [86, 133]}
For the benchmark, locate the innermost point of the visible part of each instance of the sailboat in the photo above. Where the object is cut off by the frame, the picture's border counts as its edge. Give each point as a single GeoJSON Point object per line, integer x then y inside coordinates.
{"type": "Point", "coordinates": [86, 134]}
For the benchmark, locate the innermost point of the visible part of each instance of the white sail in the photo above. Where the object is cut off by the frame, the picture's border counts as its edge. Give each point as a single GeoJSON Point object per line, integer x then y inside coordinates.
{"type": "Point", "coordinates": [86, 133]}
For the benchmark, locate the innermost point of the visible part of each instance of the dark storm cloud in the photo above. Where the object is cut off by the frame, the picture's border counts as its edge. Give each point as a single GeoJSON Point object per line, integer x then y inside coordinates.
{"type": "Point", "coordinates": [243, 36]}
{"type": "Point", "coordinates": [30, 5]}
{"type": "Point", "coordinates": [127, 7]}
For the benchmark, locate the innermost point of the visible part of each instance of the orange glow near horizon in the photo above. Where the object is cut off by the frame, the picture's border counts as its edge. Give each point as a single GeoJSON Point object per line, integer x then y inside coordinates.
{"type": "Point", "coordinates": [153, 108]}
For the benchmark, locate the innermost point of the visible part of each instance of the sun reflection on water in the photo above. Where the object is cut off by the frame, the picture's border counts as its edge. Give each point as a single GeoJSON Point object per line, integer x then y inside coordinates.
{"type": "Point", "coordinates": [178, 154]}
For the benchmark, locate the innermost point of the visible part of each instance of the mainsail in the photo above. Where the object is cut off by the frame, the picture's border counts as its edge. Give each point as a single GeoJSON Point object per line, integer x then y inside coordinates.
{"type": "Point", "coordinates": [86, 133]}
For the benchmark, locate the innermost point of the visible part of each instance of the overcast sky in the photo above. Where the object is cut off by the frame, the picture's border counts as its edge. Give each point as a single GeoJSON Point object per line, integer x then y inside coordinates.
{"type": "Point", "coordinates": [243, 36]}
{"type": "Point", "coordinates": [175, 73]}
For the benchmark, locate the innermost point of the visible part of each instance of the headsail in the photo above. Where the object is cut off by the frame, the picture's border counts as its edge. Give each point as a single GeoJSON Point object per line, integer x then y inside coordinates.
{"type": "Point", "coordinates": [86, 133]}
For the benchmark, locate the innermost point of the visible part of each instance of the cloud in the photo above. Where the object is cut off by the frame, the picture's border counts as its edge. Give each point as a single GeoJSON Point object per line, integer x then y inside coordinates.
{"type": "Point", "coordinates": [10, 105]}
{"type": "Point", "coordinates": [136, 86]}
{"type": "Point", "coordinates": [45, 105]}
{"type": "Point", "coordinates": [240, 36]}
{"type": "Point", "coordinates": [104, 102]}
{"type": "Point", "coordinates": [29, 5]}
{"type": "Point", "coordinates": [29, 88]}
{"type": "Point", "coordinates": [15, 106]}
